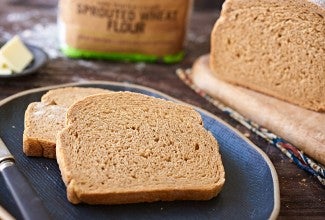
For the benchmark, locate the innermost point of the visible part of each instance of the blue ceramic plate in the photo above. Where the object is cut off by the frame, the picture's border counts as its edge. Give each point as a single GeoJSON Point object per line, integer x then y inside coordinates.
{"type": "Point", "coordinates": [40, 58]}
{"type": "Point", "coordinates": [251, 189]}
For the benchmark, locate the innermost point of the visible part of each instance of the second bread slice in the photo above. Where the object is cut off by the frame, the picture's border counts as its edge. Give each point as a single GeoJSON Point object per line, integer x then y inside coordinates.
{"type": "Point", "coordinates": [126, 147]}
{"type": "Point", "coordinates": [43, 120]}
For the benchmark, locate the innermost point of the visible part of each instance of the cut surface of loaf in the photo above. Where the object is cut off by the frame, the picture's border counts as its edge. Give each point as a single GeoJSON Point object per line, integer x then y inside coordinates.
{"type": "Point", "coordinates": [42, 123]}
{"type": "Point", "coordinates": [274, 47]}
{"type": "Point", "coordinates": [43, 120]}
{"type": "Point", "coordinates": [67, 96]}
{"type": "Point", "coordinates": [126, 147]}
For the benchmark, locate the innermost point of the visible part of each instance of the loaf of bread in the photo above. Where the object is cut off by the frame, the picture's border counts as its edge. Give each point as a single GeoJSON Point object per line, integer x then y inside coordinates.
{"type": "Point", "coordinates": [43, 120]}
{"type": "Point", "coordinates": [274, 47]}
{"type": "Point", "coordinates": [126, 147]}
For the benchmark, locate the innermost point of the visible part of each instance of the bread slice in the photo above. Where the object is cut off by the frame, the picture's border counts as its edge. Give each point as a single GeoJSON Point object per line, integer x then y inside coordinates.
{"type": "Point", "coordinates": [274, 47]}
{"type": "Point", "coordinates": [43, 120]}
{"type": "Point", "coordinates": [67, 96]}
{"type": "Point", "coordinates": [126, 147]}
{"type": "Point", "coordinates": [42, 123]}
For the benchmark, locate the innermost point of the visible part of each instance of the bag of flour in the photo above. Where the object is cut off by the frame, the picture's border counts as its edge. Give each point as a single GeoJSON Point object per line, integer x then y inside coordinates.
{"type": "Point", "coordinates": [138, 30]}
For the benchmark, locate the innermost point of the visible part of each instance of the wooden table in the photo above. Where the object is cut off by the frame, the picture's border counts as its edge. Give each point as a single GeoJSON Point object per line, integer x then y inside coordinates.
{"type": "Point", "coordinates": [302, 196]}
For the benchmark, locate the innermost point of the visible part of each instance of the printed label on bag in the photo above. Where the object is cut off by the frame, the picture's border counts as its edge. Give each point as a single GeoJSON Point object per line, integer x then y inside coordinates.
{"type": "Point", "coordinates": [123, 26]}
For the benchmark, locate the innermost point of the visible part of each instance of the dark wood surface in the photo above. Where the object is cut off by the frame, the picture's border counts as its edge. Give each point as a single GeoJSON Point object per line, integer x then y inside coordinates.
{"type": "Point", "coordinates": [302, 196]}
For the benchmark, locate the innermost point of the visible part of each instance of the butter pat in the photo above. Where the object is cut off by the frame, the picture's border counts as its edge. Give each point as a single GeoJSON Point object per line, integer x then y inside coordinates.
{"type": "Point", "coordinates": [4, 69]}
{"type": "Point", "coordinates": [16, 55]}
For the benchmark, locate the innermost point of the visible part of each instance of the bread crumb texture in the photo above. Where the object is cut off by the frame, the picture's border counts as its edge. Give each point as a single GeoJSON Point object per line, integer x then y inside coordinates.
{"type": "Point", "coordinates": [126, 147]}
{"type": "Point", "coordinates": [274, 47]}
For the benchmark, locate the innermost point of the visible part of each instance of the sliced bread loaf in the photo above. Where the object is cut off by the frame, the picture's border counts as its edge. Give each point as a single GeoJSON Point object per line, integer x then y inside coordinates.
{"type": "Point", "coordinates": [43, 120]}
{"type": "Point", "coordinates": [274, 47]}
{"type": "Point", "coordinates": [126, 147]}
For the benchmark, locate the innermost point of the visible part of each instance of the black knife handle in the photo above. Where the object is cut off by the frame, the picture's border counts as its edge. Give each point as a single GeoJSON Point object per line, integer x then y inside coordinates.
{"type": "Point", "coordinates": [26, 198]}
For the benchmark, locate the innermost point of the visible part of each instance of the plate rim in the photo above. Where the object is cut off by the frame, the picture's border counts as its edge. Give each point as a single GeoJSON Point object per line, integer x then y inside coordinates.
{"type": "Point", "coordinates": [276, 194]}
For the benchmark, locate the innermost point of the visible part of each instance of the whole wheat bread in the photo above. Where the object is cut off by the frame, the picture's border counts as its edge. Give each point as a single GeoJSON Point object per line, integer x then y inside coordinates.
{"type": "Point", "coordinates": [126, 147]}
{"type": "Point", "coordinates": [44, 119]}
{"type": "Point", "coordinates": [274, 47]}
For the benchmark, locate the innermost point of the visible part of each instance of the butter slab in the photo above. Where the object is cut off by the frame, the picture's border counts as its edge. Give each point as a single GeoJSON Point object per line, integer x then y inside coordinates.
{"type": "Point", "coordinates": [16, 55]}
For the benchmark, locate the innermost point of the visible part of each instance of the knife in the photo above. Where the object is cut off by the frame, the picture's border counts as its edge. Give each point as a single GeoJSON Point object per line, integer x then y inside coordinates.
{"type": "Point", "coordinates": [28, 202]}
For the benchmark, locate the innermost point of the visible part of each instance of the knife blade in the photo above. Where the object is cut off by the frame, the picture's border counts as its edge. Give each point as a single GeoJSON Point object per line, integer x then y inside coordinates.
{"type": "Point", "coordinates": [26, 198]}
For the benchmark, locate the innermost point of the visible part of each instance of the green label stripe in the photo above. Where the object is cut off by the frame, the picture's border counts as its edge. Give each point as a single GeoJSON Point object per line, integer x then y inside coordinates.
{"type": "Point", "coordinates": [133, 57]}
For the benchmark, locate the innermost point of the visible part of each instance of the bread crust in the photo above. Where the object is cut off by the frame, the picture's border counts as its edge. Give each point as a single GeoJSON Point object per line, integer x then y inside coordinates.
{"type": "Point", "coordinates": [34, 147]}
{"type": "Point", "coordinates": [143, 195]}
